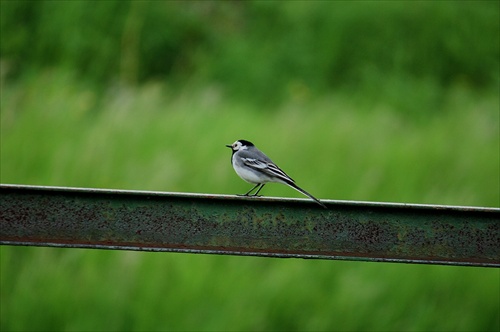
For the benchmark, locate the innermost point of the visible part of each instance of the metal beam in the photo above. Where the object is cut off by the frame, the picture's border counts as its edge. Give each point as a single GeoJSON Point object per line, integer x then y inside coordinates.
{"type": "Point", "coordinates": [275, 227]}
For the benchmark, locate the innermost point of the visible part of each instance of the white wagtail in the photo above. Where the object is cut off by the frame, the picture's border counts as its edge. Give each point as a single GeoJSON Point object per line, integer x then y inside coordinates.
{"type": "Point", "coordinates": [255, 167]}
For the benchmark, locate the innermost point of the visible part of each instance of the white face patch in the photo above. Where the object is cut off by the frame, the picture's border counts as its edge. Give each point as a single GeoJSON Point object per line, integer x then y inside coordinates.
{"type": "Point", "coordinates": [238, 146]}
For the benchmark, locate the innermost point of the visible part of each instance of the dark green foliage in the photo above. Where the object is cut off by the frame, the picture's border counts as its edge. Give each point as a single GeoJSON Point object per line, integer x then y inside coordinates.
{"type": "Point", "coordinates": [262, 50]}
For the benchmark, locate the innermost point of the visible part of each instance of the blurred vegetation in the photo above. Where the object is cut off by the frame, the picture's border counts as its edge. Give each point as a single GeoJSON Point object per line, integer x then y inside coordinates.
{"type": "Point", "coordinates": [264, 50]}
{"type": "Point", "coordinates": [380, 101]}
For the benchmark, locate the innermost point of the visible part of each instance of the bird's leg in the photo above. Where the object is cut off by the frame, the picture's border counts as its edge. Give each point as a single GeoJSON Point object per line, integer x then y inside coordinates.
{"type": "Point", "coordinates": [258, 184]}
{"type": "Point", "coordinates": [261, 186]}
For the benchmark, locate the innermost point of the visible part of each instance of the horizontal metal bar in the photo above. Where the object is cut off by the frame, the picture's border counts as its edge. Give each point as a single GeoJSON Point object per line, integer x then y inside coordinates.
{"type": "Point", "coordinates": [276, 227]}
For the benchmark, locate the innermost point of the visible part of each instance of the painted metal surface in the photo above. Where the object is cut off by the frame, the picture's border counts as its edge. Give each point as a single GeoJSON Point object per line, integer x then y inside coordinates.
{"type": "Point", "coordinates": [276, 227]}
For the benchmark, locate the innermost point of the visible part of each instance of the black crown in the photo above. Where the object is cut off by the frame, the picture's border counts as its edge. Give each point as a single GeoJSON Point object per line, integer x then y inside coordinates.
{"type": "Point", "coordinates": [245, 142]}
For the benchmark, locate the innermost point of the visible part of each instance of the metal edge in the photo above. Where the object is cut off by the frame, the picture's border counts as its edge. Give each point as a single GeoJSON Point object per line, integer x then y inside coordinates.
{"type": "Point", "coordinates": [254, 254]}
{"type": "Point", "coordinates": [248, 199]}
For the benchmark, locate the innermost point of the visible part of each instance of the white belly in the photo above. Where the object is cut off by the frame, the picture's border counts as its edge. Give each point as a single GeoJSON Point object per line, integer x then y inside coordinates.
{"type": "Point", "coordinates": [250, 176]}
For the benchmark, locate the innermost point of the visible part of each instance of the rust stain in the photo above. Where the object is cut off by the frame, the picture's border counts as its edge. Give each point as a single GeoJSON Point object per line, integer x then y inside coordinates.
{"type": "Point", "coordinates": [110, 219]}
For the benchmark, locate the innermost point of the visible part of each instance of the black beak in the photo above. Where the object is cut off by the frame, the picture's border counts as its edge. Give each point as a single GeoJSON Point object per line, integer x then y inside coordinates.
{"type": "Point", "coordinates": [229, 146]}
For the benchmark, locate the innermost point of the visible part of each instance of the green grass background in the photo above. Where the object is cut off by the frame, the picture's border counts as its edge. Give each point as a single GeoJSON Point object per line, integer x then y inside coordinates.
{"type": "Point", "coordinates": [372, 125]}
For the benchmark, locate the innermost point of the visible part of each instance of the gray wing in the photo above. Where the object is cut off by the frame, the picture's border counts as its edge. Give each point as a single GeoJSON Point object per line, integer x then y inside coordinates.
{"type": "Point", "coordinates": [254, 153]}
{"type": "Point", "coordinates": [268, 168]}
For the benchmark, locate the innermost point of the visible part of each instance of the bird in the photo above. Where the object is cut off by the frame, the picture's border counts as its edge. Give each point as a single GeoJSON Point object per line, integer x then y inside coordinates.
{"type": "Point", "coordinates": [254, 167]}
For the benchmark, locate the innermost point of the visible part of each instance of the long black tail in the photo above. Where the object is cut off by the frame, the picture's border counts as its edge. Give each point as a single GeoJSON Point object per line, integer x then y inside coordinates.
{"type": "Point", "coordinates": [302, 191]}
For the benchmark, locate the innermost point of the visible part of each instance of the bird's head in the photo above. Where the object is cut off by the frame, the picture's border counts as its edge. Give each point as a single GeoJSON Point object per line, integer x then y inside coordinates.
{"type": "Point", "coordinates": [240, 144]}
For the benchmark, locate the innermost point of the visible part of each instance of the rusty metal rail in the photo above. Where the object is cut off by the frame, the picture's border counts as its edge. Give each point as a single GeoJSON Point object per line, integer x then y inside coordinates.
{"type": "Point", "coordinates": [273, 227]}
